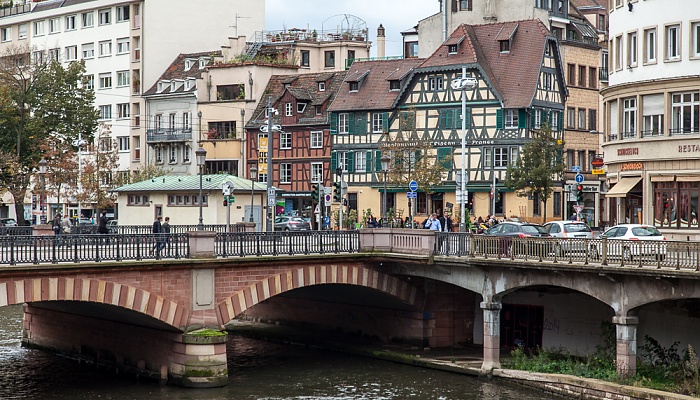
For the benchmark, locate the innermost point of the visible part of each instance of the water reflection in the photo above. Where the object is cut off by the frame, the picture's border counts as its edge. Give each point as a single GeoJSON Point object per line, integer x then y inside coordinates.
{"type": "Point", "coordinates": [258, 370]}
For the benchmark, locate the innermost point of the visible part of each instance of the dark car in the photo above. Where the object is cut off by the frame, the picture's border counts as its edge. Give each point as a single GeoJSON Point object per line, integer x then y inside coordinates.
{"type": "Point", "coordinates": [505, 233]}
{"type": "Point", "coordinates": [289, 223]}
{"type": "Point", "coordinates": [517, 229]}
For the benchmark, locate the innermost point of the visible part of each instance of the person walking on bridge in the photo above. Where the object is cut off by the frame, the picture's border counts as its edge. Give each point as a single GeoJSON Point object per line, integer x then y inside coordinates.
{"type": "Point", "coordinates": [158, 233]}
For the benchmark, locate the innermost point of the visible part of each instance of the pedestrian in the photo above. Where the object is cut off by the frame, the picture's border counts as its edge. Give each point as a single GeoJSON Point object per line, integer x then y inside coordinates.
{"type": "Point", "coordinates": [435, 223]}
{"type": "Point", "coordinates": [56, 224]}
{"type": "Point", "coordinates": [157, 231]}
{"type": "Point", "coordinates": [449, 227]}
{"type": "Point", "coordinates": [166, 232]}
{"type": "Point", "coordinates": [65, 225]}
{"type": "Point", "coordinates": [441, 218]}
{"type": "Point", "coordinates": [102, 224]}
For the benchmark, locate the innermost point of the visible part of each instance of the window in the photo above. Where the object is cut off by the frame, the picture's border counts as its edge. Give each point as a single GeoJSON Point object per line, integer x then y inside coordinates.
{"type": "Point", "coordinates": [305, 58]}
{"type": "Point", "coordinates": [122, 78]}
{"type": "Point", "coordinates": [123, 110]}
{"type": "Point", "coordinates": [452, 49]}
{"type": "Point", "coordinates": [316, 172]}
{"type": "Point", "coordinates": [22, 28]}
{"type": "Point", "coordinates": [618, 53]}
{"type": "Point", "coordinates": [592, 121]}
{"type": "Point", "coordinates": [673, 42]}
{"type": "Point", "coordinates": [106, 111]}
{"type": "Point", "coordinates": [503, 44]}
{"type": "Point", "coordinates": [629, 115]}
{"type": "Point", "coordinates": [685, 111]}
{"type": "Point", "coordinates": [186, 121]}
{"type": "Point", "coordinates": [285, 140]}
{"type": "Point", "coordinates": [650, 45]}
{"type": "Point", "coordinates": [88, 19]}
{"type": "Point", "coordinates": [88, 50]}
{"type": "Point", "coordinates": [54, 25]}
{"type": "Point", "coordinates": [38, 28]}
{"type": "Point", "coordinates": [547, 80]}
{"type": "Point", "coordinates": [123, 46]}
{"type": "Point", "coordinates": [465, 5]}
{"type": "Point", "coordinates": [173, 154]}
{"type": "Point", "coordinates": [500, 157]}
{"type": "Point", "coordinates": [105, 48]}
{"type": "Point", "coordinates": [285, 173]}
{"type": "Point", "coordinates": [435, 83]}
{"type": "Point", "coordinates": [343, 160]}
{"type": "Point", "coordinates": [632, 49]}
{"type": "Point", "coordinates": [351, 56]}
{"type": "Point", "coordinates": [301, 107]}
{"type": "Point", "coordinates": [318, 109]}
{"type": "Point", "coordinates": [159, 154]}
{"type": "Point", "coordinates": [537, 115]}
{"type": "Point", "coordinates": [378, 122]}
{"type": "Point", "coordinates": [582, 118]}
{"type": "Point", "coordinates": [411, 50]}
{"type": "Point", "coordinates": [695, 39]}
{"type": "Point", "coordinates": [54, 54]}
{"type": "Point", "coordinates": [316, 139]}
{"type": "Point", "coordinates": [105, 16]}
{"type": "Point", "coordinates": [322, 86]}
{"type": "Point", "coordinates": [582, 75]}
{"type": "Point", "coordinates": [89, 81]}
{"type": "Point", "coordinates": [122, 13]}
{"type": "Point", "coordinates": [572, 74]}
{"type": "Point", "coordinates": [394, 84]}
{"type": "Point", "coordinates": [71, 22]}
{"type": "Point", "coordinates": [354, 86]}
{"type": "Point", "coordinates": [186, 151]}
{"type": "Point", "coordinates": [360, 161]}
{"type": "Point", "coordinates": [545, 4]}
{"type": "Point", "coordinates": [136, 112]}
{"type": "Point", "coordinates": [6, 34]}
{"type": "Point", "coordinates": [71, 53]}
{"type": "Point", "coordinates": [288, 107]}
{"type": "Point", "coordinates": [329, 59]}
{"type": "Point", "coordinates": [593, 77]}
{"type": "Point", "coordinates": [123, 143]}
{"type": "Point", "coordinates": [203, 62]}
{"type": "Point", "coordinates": [106, 80]}
{"type": "Point", "coordinates": [488, 157]}
{"type": "Point", "coordinates": [343, 123]}
{"type": "Point", "coordinates": [555, 120]}
{"type": "Point", "coordinates": [230, 92]}
{"type": "Point", "coordinates": [511, 119]}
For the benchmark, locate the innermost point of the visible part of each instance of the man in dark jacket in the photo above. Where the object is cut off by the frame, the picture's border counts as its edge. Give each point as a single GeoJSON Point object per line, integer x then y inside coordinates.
{"type": "Point", "coordinates": [157, 232]}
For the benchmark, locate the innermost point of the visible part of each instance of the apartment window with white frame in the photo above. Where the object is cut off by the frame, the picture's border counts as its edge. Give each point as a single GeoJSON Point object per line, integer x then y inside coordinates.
{"type": "Point", "coordinates": [650, 45]}
{"type": "Point", "coordinates": [629, 115]}
{"type": "Point", "coordinates": [343, 123]}
{"type": "Point", "coordinates": [122, 13]}
{"type": "Point", "coordinates": [38, 28]}
{"type": "Point", "coordinates": [186, 151]}
{"type": "Point", "coordinates": [500, 157]}
{"type": "Point", "coordinates": [105, 16]}
{"type": "Point", "coordinates": [673, 42]}
{"type": "Point", "coordinates": [89, 81]}
{"type": "Point", "coordinates": [685, 112]}
{"type": "Point", "coordinates": [88, 19]}
{"type": "Point", "coordinates": [186, 120]}
{"type": "Point", "coordinates": [343, 160]}
{"type": "Point", "coordinates": [106, 80]}
{"type": "Point", "coordinates": [54, 25]}
{"type": "Point", "coordinates": [71, 22]}
{"type": "Point", "coordinates": [618, 52]}
{"type": "Point", "coordinates": [361, 161]}
{"type": "Point", "coordinates": [159, 154]}
{"type": "Point", "coordinates": [54, 54]}
{"type": "Point", "coordinates": [105, 48]}
{"type": "Point", "coordinates": [695, 39]}
{"type": "Point", "coordinates": [322, 86]}
{"type": "Point", "coordinates": [487, 158]}
{"type": "Point", "coordinates": [316, 139]}
{"type": "Point", "coordinates": [511, 119]}
{"type": "Point", "coordinates": [123, 46]}
{"type": "Point", "coordinates": [106, 111]}
{"type": "Point", "coordinates": [377, 123]}
{"type": "Point", "coordinates": [632, 49]}
{"type": "Point", "coordinates": [22, 28]}
{"type": "Point", "coordinates": [123, 110]}
{"type": "Point", "coordinates": [173, 154]}
{"type": "Point", "coordinates": [285, 140]}
{"type": "Point", "coordinates": [288, 109]}
{"type": "Point", "coordinates": [123, 143]}
{"type": "Point", "coordinates": [6, 34]}
{"type": "Point", "coordinates": [88, 50]}
{"type": "Point", "coordinates": [538, 118]}
{"type": "Point", "coordinates": [71, 53]}
{"type": "Point", "coordinates": [122, 78]}
{"type": "Point", "coordinates": [316, 172]}
{"type": "Point", "coordinates": [581, 118]}
{"type": "Point", "coordinates": [285, 173]}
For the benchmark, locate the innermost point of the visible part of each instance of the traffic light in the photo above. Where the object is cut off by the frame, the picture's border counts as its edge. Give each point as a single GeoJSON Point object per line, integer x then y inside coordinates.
{"type": "Point", "coordinates": [579, 193]}
{"type": "Point", "coordinates": [337, 196]}
{"type": "Point", "coordinates": [225, 202]}
{"type": "Point", "coordinates": [315, 192]}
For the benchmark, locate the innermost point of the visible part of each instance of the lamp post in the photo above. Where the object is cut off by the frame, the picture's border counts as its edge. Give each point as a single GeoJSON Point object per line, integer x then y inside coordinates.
{"type": "Point", "coordinates": [253, 176]}
{"type": "Point", "coordinates": [199, 116]}
{"type": "Point", "coordinates": [464, 84]}
{"type": "Point", "coordinates": [42, 172]}
{"type": "Point", "coordinates": [385, 168]}
{"type": "Point", "coordinates": [201, 155]}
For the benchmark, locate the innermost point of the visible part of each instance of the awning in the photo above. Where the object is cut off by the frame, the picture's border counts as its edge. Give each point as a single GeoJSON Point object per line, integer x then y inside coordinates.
{"type": "Point", "coordinates": [623, 186]}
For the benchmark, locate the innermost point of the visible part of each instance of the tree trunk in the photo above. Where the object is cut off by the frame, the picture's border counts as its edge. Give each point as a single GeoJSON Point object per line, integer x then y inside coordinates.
{"type": "Point", "coordinates": [19, 206]}
{"type": "Point", "coordinates": [544, 212]}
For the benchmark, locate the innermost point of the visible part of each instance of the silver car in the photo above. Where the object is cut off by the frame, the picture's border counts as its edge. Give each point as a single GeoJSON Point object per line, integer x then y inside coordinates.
{"type": "Point", "coordinates": [570, 236]}
{"type": "Point", "coordinates": [289, 223]}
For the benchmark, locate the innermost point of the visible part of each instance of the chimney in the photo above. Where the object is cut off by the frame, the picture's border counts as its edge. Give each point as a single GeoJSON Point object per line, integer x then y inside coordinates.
{"type": "Point", "coordinates": [381, 42]}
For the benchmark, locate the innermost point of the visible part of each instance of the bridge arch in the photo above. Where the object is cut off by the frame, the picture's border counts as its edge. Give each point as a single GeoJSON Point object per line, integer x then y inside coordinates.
{"type": "Point", "coordinates": [94, 291]}
{"type": "Point", "coordinates": [285, 281]}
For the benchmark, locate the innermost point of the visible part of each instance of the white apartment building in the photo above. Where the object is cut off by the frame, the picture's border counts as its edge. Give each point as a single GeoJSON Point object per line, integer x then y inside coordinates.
{"type": "Point", "coordinates": [652, 115]}
{"type": "Point", "coordinates": [126, 45]}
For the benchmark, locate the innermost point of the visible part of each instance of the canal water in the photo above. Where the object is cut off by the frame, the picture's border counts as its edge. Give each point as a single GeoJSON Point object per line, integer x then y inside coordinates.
{"type": "Point", "coordinates": [258, 370]}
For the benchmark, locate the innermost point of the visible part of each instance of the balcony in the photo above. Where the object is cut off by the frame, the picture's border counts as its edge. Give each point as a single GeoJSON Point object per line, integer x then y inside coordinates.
{"type": "Point", "coordinates": [7, 11]}
{"type": "Point", "coordinates": [603, 74]}
{"type": "Point", "coordinates": [168, 135]}
{"type": "Point", "coordinates": [296, 35]}
{"type": "Point", "coordinates": [691, 130]}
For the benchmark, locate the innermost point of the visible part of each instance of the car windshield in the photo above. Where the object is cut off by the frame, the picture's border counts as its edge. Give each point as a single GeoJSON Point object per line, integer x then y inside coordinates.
{"type": "Point", "coordinates": [532, 229]}
{"type": "Point", "coordinates": [645, 231]}
{"type": "Point", "coordinates": [577, 228]}
{"type": "Point", "coordinates": [297, 219]}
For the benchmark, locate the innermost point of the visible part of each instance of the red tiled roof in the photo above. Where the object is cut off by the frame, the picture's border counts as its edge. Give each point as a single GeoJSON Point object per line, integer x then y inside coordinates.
{"type": "Point", "coordinates": [176, 70]}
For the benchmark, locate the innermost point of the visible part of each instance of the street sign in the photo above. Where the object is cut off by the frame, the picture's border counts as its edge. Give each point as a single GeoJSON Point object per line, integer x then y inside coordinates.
{"type": "Point", "coordinates": [578, 208]}
{"type": "Point", "coordinates": [271, 192]}
{"type": "Point", "coordinates": [597, 163]}
{"type": "Point", "coordinates": [411, 195]}
{"type": "Point", "coordinates": [576, 168]}
{"type": "Point", "coordinates": [327, 190]}
{"type": "Point", "coordinates": [231, 199]}
{"type": "Point", "coordinates": [598, 171]}
{"type": "Point", "coordinates": [271, 201]}
{"type": "Point", "coordinates": [578, 178]}
{"type": "Point", "coordinates": [328, 198]}
{"type": "Point", "coordinates": [413, 185]}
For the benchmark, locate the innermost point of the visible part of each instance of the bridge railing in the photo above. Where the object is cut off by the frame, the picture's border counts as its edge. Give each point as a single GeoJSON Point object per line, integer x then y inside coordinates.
{"type": "Point", "coordinates": [243, 244]}
{"type": "Point", "coordinates": [630, 253]}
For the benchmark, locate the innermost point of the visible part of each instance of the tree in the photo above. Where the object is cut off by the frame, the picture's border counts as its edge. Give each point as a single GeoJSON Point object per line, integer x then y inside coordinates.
{"type": "Point", "coordinates": [44, 105]}
{"type": "Point", "coordinates": [540, 163]}
{"type": "Point", "coordinates": [99, 171]}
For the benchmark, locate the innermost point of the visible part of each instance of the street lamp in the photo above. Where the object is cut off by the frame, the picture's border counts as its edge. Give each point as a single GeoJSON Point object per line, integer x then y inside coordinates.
{"type": "Point", "coordinates": [253, 176]}
{"type": "Point", "coordinates": [201, 155]}
{"type": "Point", "coordinates": [464, 84]}
{"type": "Point", "coordinates": [42, 172]}
{"type": "Point", "coordinates": [199, 116]}
{"type": "Point", "coordinates": [385, 168]}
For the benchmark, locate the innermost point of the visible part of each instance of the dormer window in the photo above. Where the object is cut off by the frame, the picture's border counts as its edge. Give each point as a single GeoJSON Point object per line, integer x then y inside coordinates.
{"type": "Point", "coordinates": [354, 86]}
{"type": "Point", "coordinates": [162, 85]}
{"type": "Point", "coordinates": [301, 107]}
{"type": "Point", "coordinates": [322, 86]}
{"type": "Point", "coordinates": [203, 62]}
{"type": "Point", "coordinates": [187, 84]}
{"type": "Point", "coordinates": [189, 64]}
{"type": "Point", "coordinates": [452, 49]}
{"type": "Point", "coordinates": [504, 45]}
{"type": "Point", "coordinates": [173, 86]}
{"type": "Point", "coordinates": [394, 84]}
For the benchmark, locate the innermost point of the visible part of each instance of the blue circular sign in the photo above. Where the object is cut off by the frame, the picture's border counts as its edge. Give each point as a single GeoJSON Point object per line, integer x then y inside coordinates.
{"type": "Point", "coordinates": [578, 178]}
{"type": "Point", "coordinates": [413, 185]}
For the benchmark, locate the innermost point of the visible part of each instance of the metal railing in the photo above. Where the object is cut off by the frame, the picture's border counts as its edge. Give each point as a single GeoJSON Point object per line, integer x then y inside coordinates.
{"type": "Point", "coordinates": [290, 243]}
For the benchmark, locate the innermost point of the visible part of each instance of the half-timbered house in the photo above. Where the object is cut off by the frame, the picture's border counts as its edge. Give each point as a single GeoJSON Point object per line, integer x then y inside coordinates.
{"type": "Point", "coordinates": [301, 149]}
{"type": "Point", "coordinates": [519, 87]}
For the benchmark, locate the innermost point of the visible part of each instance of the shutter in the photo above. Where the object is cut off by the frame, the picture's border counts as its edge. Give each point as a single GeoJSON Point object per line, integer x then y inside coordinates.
{"type": "Point", "coordinates": [532, 118]}
{"type": "Point", "coordinates": [334, 123]}
{"type": "Point", "coordinates": [368, 161]}
{"type": "Point", "coordinates": [385, 122]}
{"type": "Point", "coordinates": [522, 118]}
{"type": "Point", "coordinates": [442, 123]}
{"type": "Point", "coordinates": [378, 160]}
{"type": "Point", "coordinates": [351, 123]}
{"type": "Point", "coordinates": [560, 119]}
{"type": "Point", "coordinates": [444, 157]}
{"type": "Point", "coordinates": [361, 124]}
{"type": "Point", "coordinates": [449, 119]}
{"type": "Point", "coordinates": [454, 6]}
{"type": "Point", "coordinates": [334, 161]}
{"type": "Point", "coordinates": [546, 117]}
{"type": "Point", "coordinates": [350, 159]}
{"type": "Point", "coordinates": [418, 155]}
{"type": "Point", "coordinates": [499, 118]}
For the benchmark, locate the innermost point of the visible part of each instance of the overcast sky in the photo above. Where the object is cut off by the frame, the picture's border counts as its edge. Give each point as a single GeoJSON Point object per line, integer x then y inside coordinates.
{"type": "Point", "coordinates": [396, 16]}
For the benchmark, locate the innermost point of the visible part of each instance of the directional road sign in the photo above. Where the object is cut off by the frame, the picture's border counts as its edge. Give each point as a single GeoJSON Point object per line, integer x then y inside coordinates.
{"type": "Point", "coordinates": [578, 178]}
{"type": "Point", "coordinates": [411, 195]}
{"type": "Point", "coordinates": [576, 168]}
{"type": "Point", "coordinates": [413, 185]}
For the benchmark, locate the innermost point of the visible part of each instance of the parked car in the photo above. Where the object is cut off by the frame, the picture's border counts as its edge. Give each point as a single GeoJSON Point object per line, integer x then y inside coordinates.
{"type": "Point", "coordinates": [572, 232]}
{"type": "Point", "coordinates": [631, 241]}
{"type": "Point", "coordinates": [112, 226]}
{"type": "Point", "coordinates": [517, 229]}
{"type": "Point", "coordinates": [8, 222]}
{"type": "Point", "coordinates": [508, 230]}
{"type": "Point", "coordinates": [289, 223]}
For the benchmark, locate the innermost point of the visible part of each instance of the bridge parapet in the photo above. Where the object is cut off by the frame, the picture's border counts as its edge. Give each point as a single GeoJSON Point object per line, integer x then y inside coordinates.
{"type": "Point", "coordinates": [397, 240]}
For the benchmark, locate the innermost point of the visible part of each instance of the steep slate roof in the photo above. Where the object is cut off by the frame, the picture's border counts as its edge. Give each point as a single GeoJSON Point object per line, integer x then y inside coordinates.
{"type": "Point", "coordinates": [176, 70]}
{"type": "Point", "coordinates": [374, 93]}
{"type": "Point", "coordinates": [303, 87]}
{"type": "Point", "coordinates": [515, 74]}
{"type": "Point", "coordinates": [188, 183]}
